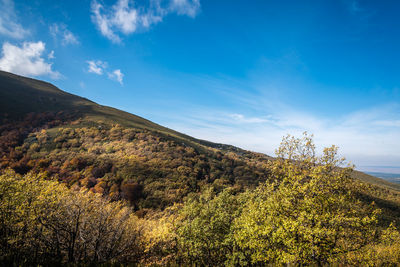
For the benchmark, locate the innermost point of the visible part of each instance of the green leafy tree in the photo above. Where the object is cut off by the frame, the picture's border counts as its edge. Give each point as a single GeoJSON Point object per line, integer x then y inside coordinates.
{"type": "Point", "coordinates": [204, 228]}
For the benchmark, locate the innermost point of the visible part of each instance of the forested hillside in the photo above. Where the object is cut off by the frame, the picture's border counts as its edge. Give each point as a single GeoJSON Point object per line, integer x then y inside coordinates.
{"type": "Point", "coordinates": [83, 183]}
{"type": "Point", "coordinates": [109, 151]}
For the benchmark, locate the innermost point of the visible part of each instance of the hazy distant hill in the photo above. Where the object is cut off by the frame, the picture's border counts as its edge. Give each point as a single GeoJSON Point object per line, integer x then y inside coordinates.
{"type": "Point", "coordinates": [391, 177]}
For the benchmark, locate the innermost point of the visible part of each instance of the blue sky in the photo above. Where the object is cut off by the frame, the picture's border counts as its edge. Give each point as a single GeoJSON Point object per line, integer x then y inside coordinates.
{"type": "Point", "coordinates": [239, 72]}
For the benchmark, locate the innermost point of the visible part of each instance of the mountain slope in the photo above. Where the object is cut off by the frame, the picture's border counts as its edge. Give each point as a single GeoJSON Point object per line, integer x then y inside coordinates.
{"type": "Point", "coordinates": [109, 151]}
{"type": "Point", "coordinates": [21, 95]}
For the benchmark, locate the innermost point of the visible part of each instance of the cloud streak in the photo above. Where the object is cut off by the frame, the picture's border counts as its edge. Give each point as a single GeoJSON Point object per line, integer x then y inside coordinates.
{"type": "Point", "coordinates": [9, 25]}
{"type": "Point", "coordinates": [365, 137]}
{"type": "Point", "coordinates": [240, 118]}
{"type": "Point", "coordinates": [124, 18]}
{"type": "Point", "coordinates": [61, 33]}
{"type": "Point", "coordinates": [262, 111]}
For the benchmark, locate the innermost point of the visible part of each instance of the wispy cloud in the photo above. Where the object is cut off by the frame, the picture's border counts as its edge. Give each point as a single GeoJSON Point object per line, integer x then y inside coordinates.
{"type": "Point", "coordinates": [99, 67]}
{"type": "Point", "coordinates": [125, 18]}
{"type": "Point", "coordinates": [96, 66]}
{"type": "Point", "coordinates": [240, 118]}
{"type": "Point", "coordinates": [9, 24]}
{"type": "Point", "coordinates": [362, 139]}
{"type": "Point", "coordinates": [61, 33]}
{"type": "Point", "coordinates": [388, 123]}
{"type": "Point", "coordinates": [26, 60]}
{"type": "Point", "coordinates": [116, 75]}
{"type": "Point", "coordinates": [359, 9]}
{"type": "Point", "coordinates": [185, 7]}
{"type": "Point", "coordinates": [51, 55]}
{"type": "Point", "coordinates": [354, 6]}
{"type": "Point", "coordinates": [257, 120]}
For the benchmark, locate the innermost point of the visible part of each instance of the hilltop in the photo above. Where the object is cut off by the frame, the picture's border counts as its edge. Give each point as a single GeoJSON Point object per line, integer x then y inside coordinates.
{"type": "Point", "coordinates": [20, 96]}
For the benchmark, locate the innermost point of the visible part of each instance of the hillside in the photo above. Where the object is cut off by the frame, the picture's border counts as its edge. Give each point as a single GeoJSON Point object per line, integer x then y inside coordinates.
{"type": "Point", "coordinates": [111, 151]}
{"type": "Point", "coordinates": [191, 202]}
{"type": "Point", "coordinates": [21, 95]}
{"type": "Point", "coordinates": [105, 149]}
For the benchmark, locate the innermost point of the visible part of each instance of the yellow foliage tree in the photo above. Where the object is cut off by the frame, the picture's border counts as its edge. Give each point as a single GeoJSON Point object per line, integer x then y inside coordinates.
{"type": "Point", "coordinates": [44, 222]}
{"type": "Point", "coordinates": [309, 213]}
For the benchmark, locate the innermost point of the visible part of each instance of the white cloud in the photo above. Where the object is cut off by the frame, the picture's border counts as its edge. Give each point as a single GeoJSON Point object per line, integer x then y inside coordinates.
{"type": "Point", "coordinates": [185, 7]}
{"type": "Point", "coordinates": [9, 25]}
{"type": "Point", "coordinates": [104, 22]}
{"type": "Point", "coordinates": [116, 75]}
{"type": "Point", "coordinates": [124, 18]}
{"type": "Point", "coordinates": [26, 60]}
{"type": "Point", "coordinates": [96, 66]}
{"type": "Point", "coordinates": [61, 33]}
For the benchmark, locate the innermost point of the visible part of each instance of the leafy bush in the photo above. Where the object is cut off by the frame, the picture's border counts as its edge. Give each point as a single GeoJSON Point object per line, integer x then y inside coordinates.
{"type": "Point", "coordinates": [43, 222]}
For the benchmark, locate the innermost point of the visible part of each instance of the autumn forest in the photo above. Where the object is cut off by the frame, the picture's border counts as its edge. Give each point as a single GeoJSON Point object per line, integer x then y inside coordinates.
{"type": "Point", "coordinates": [85, 184]}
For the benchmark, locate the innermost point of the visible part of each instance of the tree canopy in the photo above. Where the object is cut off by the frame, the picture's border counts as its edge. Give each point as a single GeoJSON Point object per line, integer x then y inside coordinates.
{"type": "Point", "coordinates": [309, 211]}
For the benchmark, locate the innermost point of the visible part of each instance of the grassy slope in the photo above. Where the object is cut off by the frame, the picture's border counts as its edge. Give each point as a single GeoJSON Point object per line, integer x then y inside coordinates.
{"type": "Point", "coordinates": [376, 181]}
{"type": "Point", "coordinates": [20, 95]}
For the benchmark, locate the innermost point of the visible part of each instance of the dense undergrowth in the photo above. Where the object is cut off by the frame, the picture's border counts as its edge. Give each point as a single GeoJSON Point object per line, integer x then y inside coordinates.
{"type": "Point", "coordinates": [145, 168]}
{"type": "Point", "coordinates": [85, 184]}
